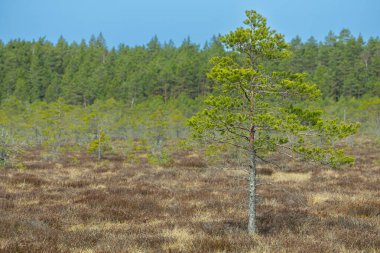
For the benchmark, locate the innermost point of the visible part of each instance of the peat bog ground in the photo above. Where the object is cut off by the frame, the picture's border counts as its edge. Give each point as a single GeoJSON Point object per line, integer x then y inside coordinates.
{"type": "Point", "coordinates": [80, 205]}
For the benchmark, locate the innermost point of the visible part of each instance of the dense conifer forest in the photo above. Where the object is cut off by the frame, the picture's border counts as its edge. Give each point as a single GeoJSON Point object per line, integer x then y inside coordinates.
{"type": "Point", "coordinates": [343, 66]}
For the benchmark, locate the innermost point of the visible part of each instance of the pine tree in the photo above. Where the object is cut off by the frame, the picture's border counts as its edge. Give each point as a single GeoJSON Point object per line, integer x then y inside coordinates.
{"type": "Point", "coordinates": [258, 110]}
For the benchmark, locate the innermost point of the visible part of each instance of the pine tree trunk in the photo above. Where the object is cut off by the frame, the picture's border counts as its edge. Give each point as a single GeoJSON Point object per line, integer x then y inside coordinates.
{"type": "Point", "coordinates": [252, 182]}
{"type": "Point", "coordinates": [252, 228]}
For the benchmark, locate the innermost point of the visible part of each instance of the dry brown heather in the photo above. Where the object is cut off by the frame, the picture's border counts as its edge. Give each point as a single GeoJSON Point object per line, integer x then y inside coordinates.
{"type": "Point", "coordinates": [79, 205]}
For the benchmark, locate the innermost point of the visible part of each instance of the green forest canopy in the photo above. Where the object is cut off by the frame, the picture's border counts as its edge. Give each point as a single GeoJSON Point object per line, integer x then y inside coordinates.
{"type": "Point", "coordinates": [342, 66]}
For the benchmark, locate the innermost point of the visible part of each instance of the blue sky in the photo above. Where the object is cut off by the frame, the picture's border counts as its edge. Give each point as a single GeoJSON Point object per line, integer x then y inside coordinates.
{"type": "Point", "coordinates": [135, 22]}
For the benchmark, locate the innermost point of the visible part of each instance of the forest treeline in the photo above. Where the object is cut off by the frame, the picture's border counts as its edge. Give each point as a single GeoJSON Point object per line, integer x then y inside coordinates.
{"type": "Point", "coordinates": [342, 66]}
{"type": "Point", "coordinates": [80, 73]}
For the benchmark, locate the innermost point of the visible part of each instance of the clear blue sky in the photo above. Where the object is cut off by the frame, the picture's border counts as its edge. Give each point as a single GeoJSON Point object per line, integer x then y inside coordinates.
{"type": "Point", "coordinates": [135, 22]}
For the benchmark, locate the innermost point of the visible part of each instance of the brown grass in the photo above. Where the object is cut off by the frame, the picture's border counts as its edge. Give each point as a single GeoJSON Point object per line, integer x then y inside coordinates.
{"type": "Point", "coordinates": [113, 206]}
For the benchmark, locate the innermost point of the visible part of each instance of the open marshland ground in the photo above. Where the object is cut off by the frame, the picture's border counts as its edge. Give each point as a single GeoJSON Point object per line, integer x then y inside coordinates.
{"type": "Point", "coordinates": [80, 205]}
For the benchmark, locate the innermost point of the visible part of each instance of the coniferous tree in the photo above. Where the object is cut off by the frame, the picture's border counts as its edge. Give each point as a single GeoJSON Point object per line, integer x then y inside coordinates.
{"type": "Point", "coordinates": [255, 109]}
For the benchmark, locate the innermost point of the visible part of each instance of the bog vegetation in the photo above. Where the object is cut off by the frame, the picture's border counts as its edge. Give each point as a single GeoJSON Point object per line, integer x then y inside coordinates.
{"type": "Point", "coordinates": [96, 151]}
